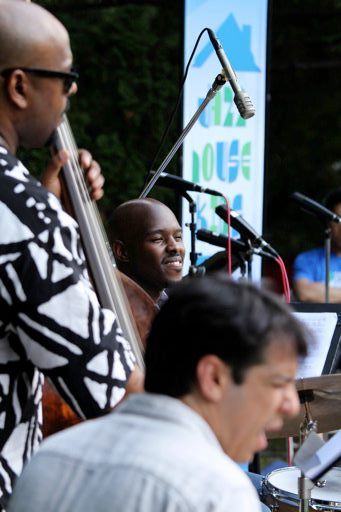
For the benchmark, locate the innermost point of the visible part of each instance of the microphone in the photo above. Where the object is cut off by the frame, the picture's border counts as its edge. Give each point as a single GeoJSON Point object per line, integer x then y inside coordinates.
{"type": "Point", "coordinates": [237, 246]}
{"type": "Point", "coordinates": [241, 98]}
{"type": "Point", "coordinates": [205, 235]}
{"type": "Point", "coordinates": [315, 208]}
{"type": "Point", "coordinates": [181, 185]}
{"type": "Point", "coordinates": [244, 229]}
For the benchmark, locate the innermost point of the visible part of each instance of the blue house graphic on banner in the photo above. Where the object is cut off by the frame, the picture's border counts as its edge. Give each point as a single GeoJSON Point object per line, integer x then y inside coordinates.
{"type": "Point", "coordinates": [237, 46]}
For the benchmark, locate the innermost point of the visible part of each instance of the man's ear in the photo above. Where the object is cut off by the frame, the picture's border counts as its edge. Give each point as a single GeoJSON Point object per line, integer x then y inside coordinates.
{"type": "Point", "coordinates": [213, 377]}
{"type": "Point", "coordinates": [120, 251]}
{"type": "Point", "coordinates": [17, 86]}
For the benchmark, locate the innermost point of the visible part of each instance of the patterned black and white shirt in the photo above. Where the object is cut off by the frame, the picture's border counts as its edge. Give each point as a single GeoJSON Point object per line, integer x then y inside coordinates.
{"type": "Point", "coordinates": [50, 320]}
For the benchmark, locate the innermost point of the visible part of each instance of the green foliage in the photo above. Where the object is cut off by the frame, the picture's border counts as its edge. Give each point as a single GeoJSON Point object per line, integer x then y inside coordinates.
{"type": "Point", "coordinates": [129, 60]}
{"type": "Point", "coordinates": [127, 57]}
{"type": "Point", "coordinates": [304, 121]}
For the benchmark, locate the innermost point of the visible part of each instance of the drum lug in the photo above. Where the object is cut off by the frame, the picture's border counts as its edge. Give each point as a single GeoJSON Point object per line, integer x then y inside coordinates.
{"type": "Point", "coordinates": [321, 483]}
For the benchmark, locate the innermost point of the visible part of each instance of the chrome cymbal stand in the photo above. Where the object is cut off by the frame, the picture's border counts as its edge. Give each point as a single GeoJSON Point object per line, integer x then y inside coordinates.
{"type": "Point", "coordinates": [305, 485]}
{"type": "Point", "coordinates": [308, 424]}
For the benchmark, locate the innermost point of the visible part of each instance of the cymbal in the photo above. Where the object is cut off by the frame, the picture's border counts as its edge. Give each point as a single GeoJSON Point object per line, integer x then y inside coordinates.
{"type": "Point", "coordinates": [324, 400]}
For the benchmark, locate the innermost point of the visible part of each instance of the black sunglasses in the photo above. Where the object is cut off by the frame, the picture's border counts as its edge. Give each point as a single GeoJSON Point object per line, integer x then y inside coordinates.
{"type": "Point", "coordinates": [69, 77]}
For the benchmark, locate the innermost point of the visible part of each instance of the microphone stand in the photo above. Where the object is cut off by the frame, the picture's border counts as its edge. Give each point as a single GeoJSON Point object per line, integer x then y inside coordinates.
{"type": "Point", "coordinates": [243, 266]}
{"type": "Point", "coordinates": [219, 81]}
{"type": "Point", "coordinates": [327, 249]}
{"type": "Point", "coordinates": [247, 257]}
{"type": "Point", "coordinates": [249, 263]}
{"type": "Point", "coordinates": [246, 267]}
{"type": "Point", "coordinates": [193, 269]}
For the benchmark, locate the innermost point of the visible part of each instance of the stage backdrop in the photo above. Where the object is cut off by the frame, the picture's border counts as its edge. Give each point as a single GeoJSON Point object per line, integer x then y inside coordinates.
{"type": "Point", "coordinates": [223, 151]}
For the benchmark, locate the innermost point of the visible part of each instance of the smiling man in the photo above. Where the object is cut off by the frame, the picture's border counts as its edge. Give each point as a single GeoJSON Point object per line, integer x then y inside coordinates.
{"type": "Point", "coordinates": [221, 361]}
{"type": "Point", "coordinates": [148, 244]}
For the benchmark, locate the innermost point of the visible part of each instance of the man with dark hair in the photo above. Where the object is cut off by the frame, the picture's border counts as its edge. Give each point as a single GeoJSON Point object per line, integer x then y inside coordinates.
{"type": "Point", "coordinates": [148, 245]}
{"type": "Point", "coordinates": [50, 318]}
{"type": "Point", "coordinates": [310, 266]}
{"type": "Point", "coordinates": [221, 360]}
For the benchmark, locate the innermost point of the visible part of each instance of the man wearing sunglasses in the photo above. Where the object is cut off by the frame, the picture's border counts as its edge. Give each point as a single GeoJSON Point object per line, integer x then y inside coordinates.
{"type": "Point", "coordinates": [68, 77]}
{"type": "Point", "coordinates": [50, 319]}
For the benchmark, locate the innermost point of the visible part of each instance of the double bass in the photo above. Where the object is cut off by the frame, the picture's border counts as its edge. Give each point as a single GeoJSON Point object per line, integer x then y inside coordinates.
{"type": "Point", "coordinates": [133, 307]}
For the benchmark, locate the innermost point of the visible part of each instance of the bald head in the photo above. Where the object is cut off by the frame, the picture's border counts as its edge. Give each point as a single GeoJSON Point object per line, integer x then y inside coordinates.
{"type": "Point", "coordinates": [32, 102]}
{"type": "Point", "coordinates": [26, 32]}
{"type": "Point", "coordinates": [148, 244]}
{"type": "Point", "coordinates": [130, 219]}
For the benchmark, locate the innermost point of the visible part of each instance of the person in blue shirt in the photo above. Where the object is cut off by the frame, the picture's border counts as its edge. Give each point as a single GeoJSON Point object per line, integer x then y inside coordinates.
{"type": "Point", "coordinates": [309, 267]}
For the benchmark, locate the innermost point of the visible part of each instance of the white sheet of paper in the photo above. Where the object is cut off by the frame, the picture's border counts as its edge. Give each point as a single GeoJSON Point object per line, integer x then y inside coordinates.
{"type": "Point", "coordinates": [322, 326]}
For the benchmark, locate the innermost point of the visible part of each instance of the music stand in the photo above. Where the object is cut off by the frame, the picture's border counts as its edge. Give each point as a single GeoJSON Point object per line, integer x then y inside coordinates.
{"type": "Point", "coordinates": [333, 360]}
{"type": "Point", "coordinates": [331, 365]}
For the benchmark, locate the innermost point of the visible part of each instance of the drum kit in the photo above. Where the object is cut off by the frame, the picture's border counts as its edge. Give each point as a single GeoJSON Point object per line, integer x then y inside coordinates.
{"type": "Point", "coordinates": [286, 489]}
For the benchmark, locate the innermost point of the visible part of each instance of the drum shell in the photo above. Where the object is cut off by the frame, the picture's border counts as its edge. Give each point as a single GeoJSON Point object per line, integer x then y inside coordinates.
{"type": "Point", "coordinates": [280, 491]}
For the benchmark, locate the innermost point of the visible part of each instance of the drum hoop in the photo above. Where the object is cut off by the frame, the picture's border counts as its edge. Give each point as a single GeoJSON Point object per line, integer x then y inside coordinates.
{"type": "Point", "coordinates": [325, 505]}
{"type": "Point", "coordinates": [280, 493]}
{"type": "Point", "coordinates": [315, 503]}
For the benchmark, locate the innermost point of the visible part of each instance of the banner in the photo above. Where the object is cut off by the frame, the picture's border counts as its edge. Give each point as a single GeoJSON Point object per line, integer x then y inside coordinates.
{"type": "Point", "coordinates": [223, 151]}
